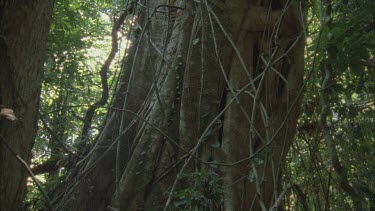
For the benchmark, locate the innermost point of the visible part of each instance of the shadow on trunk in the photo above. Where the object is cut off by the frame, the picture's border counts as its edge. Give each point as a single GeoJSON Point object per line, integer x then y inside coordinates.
{"type": "Point", "coordinates": [207, 90]}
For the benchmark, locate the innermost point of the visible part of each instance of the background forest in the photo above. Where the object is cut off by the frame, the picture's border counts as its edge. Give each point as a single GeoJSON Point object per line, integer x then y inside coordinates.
{"type": "Point", "coordinates": [330, 164]}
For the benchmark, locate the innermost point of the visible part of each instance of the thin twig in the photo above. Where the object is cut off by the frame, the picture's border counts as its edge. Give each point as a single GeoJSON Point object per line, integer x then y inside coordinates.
{"type": "Point", "coordinates": [281, 197]}
{"type": "Point", "coordinates": [26, 167]}
{"type": "Point", "coordinates": [53, 134]}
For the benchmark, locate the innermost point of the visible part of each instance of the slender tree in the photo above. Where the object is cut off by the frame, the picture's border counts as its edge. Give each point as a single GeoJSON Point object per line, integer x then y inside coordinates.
{"type": "Point", "coordinates": [24, 28]}
{"type": "Point", "coordinates": [209, 88]}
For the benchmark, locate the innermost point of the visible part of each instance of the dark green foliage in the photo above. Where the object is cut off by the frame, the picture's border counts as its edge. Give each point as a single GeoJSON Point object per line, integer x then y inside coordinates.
{"type": "Point", "coordinates": [71, 80]}
{"type": "Point", "coordinates": [352, 119]}
{"type": "Point", "coordinates": [78, 42]}
{"type": "Point", "coordinates": [204, 191]}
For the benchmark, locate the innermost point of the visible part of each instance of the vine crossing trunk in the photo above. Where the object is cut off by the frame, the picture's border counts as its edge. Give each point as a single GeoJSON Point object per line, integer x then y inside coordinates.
{"type": "Point", "coordinates": [206, 88]}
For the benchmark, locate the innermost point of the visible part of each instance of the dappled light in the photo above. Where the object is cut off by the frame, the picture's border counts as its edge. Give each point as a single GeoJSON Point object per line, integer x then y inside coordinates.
{"type": "Point", "coordinates": [187, 105]}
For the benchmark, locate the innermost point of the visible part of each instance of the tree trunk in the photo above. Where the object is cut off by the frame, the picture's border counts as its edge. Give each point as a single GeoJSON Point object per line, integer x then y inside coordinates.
{"type": "Point", "coordinates": [207, 88]}
{"type": "Point", "coordinates": [24, 28]}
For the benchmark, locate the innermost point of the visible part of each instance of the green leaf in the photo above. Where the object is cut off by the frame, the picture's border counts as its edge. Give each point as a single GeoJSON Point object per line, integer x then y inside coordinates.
{"type": "Point", "coordinates": [75, 5]}
{"type": "Point", "coordinates": [356, 67]}
{"type": "Point", "coordinates": [196, 41]}
{"type": "Point", "coordinates": [258, 161]}
{"type": "Point", "coordinates": [251, 177]}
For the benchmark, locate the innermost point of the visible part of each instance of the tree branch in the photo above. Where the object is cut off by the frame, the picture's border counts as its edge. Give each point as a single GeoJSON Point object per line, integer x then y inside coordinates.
{"type": "Point", "coordinates": [26, 167]}
{"type": "Point", "coordinates": [326, 130]}
{"type": "Point", "coordinates": [103, 73]}
{"type": "Point", "coordinates": [53, 134]}
{"type": "Point", "coordinates": [46, 167]}
{"type": "Point", "coordinates": [281, 197]}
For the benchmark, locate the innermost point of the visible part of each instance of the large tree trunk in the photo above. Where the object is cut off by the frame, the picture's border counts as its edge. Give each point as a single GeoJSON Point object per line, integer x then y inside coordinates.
{"type": "Point", "coordinates": [24, 27]}
{"type": "Point", "coordinates": [214, 90]}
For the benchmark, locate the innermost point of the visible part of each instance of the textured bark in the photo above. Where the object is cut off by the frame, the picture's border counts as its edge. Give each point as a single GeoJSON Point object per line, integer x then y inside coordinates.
{"type": "Point", "coordinates": [240, 137]}
{"type": "Point", "coordinates": [24, 28]}
{"type": "Point", "coordinates": [95, 192]}
{"type": "Point", "coordinates": [199, 79]}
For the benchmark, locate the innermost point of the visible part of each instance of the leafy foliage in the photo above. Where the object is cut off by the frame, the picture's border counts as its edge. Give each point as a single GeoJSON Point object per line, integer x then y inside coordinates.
{"type": "Point", "coordinates": [352, 118]}
{"type": "Point", "coordinates": [205, 191]}
{"type": "Point", "coordinates": [79, 41]}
